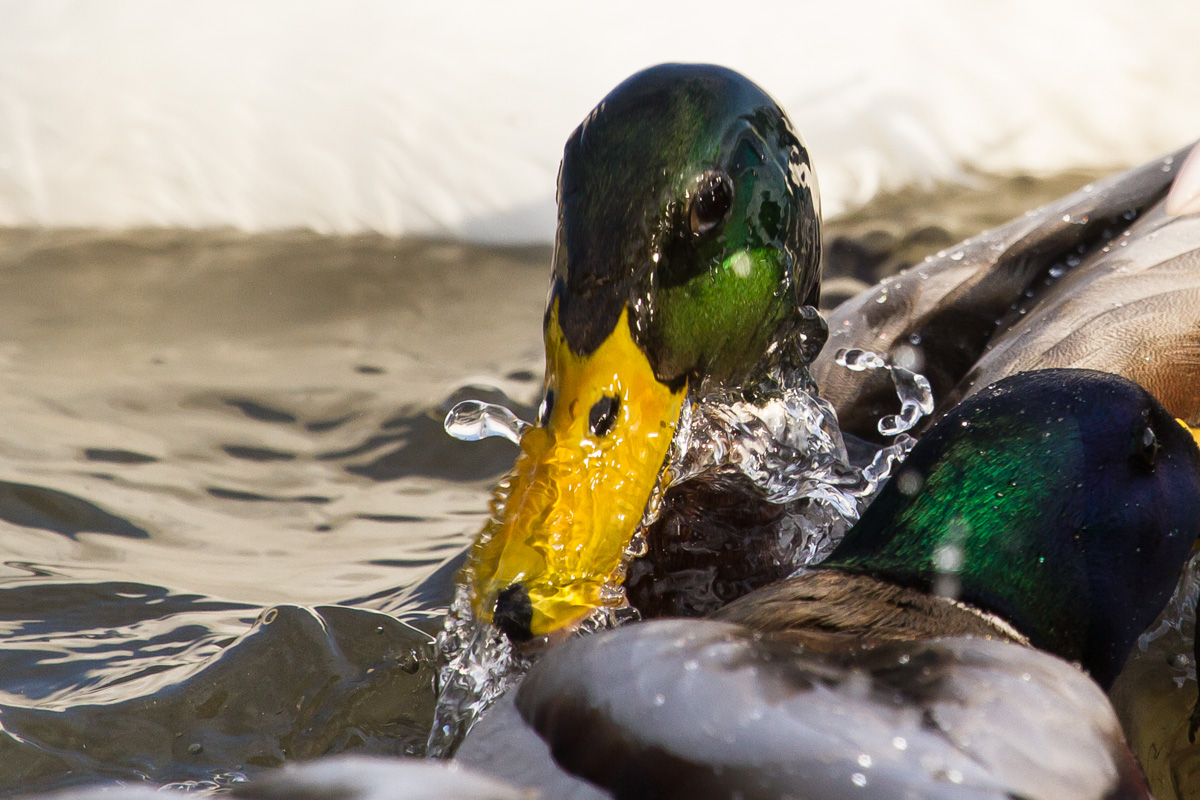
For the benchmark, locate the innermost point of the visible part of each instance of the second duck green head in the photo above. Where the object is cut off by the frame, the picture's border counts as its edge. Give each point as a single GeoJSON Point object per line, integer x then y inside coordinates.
{"type": "Point", "coordinates": [687, 243]}
{"type": "Point", "coordinates": [1064, 501]}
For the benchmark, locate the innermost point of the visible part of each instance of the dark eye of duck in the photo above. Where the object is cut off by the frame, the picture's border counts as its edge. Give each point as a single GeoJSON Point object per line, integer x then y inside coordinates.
{"type": "Point", "coordinates": [1147, 449]}
{"type": "Point", "coordinates": [546, 408]}
{"type": "Point", "coordinates": [711, 202]}
{"type": "Point", "coordinates": [603, 415]}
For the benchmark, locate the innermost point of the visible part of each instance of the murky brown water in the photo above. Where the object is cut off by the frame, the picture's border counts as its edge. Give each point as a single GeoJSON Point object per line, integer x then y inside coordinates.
{"type": "Point", "coordinates": [228, 512]}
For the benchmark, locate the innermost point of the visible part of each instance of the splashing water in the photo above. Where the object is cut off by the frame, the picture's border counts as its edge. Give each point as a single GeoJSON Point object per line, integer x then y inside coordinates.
{"type": "Point", "coordinates": [788, 443]}
{"type": "Point", "coordinates": [780, 435]}
{"type": "Point", "coordinates": [480, 664]}
{"type": "Point", "coordinates": [913, 389]}
{"type": "Point", "coordinates": [1179, 617]}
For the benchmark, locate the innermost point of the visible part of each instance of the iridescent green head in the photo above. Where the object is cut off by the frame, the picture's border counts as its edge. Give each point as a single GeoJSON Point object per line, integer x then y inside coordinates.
{"type": "Point", "coordinates": [688, 243]}
{"type": "Point", "coordinates": [687, 198]}
{"type": "Point", "coordinates": [1066, 501]}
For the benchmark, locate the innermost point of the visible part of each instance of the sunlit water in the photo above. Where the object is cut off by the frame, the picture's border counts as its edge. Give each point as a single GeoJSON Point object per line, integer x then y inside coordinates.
{"type": "Point", "coordinates": [199, 427]}
{"type": "Point", "coordinates": [230, 516]}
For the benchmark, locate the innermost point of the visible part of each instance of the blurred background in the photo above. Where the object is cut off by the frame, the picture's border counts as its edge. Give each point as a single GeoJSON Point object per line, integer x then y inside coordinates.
{"type": "Point", "coordinates": [406, 117]}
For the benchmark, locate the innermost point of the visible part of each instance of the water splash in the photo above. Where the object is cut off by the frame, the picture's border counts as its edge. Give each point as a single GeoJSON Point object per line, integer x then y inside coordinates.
{"type": "Point", "coordinates": [779, 434]}
{"type": "Point", "coordinates": [913, 389]}
{"type": "Point", "coordinates": [787, 442]}
{"type": "Point", "coordinates": [220, 783]}
{"type": "Point", "coordinates": [473, 420]}
{"type": "Point", "coordinates": [479, 664]}
{"type": "Point", "coordinates": [1179, 618]}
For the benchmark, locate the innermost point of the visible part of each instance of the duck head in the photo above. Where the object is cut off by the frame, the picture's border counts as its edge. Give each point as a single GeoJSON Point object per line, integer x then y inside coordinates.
{"type": "Point", "coordinates": [1064, 501]}
{"type": "Point", "coordinates": [687, 242]}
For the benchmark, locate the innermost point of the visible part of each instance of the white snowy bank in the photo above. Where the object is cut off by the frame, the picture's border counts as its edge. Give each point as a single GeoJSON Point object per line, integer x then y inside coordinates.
{"type": "Point", "coordinates": [449, 119]}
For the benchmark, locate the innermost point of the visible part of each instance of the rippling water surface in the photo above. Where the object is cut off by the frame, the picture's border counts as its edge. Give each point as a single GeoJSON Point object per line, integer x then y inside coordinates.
{"type": "Point", "coordinates": [229, 516]}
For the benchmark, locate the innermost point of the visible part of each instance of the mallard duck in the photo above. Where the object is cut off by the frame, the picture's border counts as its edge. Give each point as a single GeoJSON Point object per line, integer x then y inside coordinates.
{"type": "Point", "coordinates": [1053, 509]}
{"type": "Point", "coordinates": [687, 262]}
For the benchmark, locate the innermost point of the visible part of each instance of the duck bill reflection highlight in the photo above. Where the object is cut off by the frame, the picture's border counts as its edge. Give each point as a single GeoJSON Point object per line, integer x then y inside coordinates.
{"type": "Point", "coordinates": [563, 519]}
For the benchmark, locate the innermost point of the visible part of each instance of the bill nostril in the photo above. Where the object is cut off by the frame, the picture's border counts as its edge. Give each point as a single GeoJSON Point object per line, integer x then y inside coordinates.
{"type": "Point", "coordinates": [513, 614]}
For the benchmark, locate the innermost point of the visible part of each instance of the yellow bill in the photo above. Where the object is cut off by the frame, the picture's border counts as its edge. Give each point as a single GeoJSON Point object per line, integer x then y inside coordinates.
{"type": "Point", "coordinates": [563, 519]}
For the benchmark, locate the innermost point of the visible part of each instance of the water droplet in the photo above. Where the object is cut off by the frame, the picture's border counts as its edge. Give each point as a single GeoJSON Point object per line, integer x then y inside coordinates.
{"type": "Point", "coordinates": [909, 482]}
{"type": "Point", "coordinates": [908, 357]}
{"type": "Point", "coordinates": [948, 558]}
{"type": "Point", "coordinates": [864, 761]}
{"type": "Point", "coordinates": [900, 743]}
{"type": "Point", "coordinates": [858, 779]}
{"type": "Point", "coordinates": [659, 699]}
{"type": "Point", "coordinates": [916, 401]}
{"type": "Point", "coordinates": [857, 360]}
{"type": "Point", "coordinates": [473, 420]}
